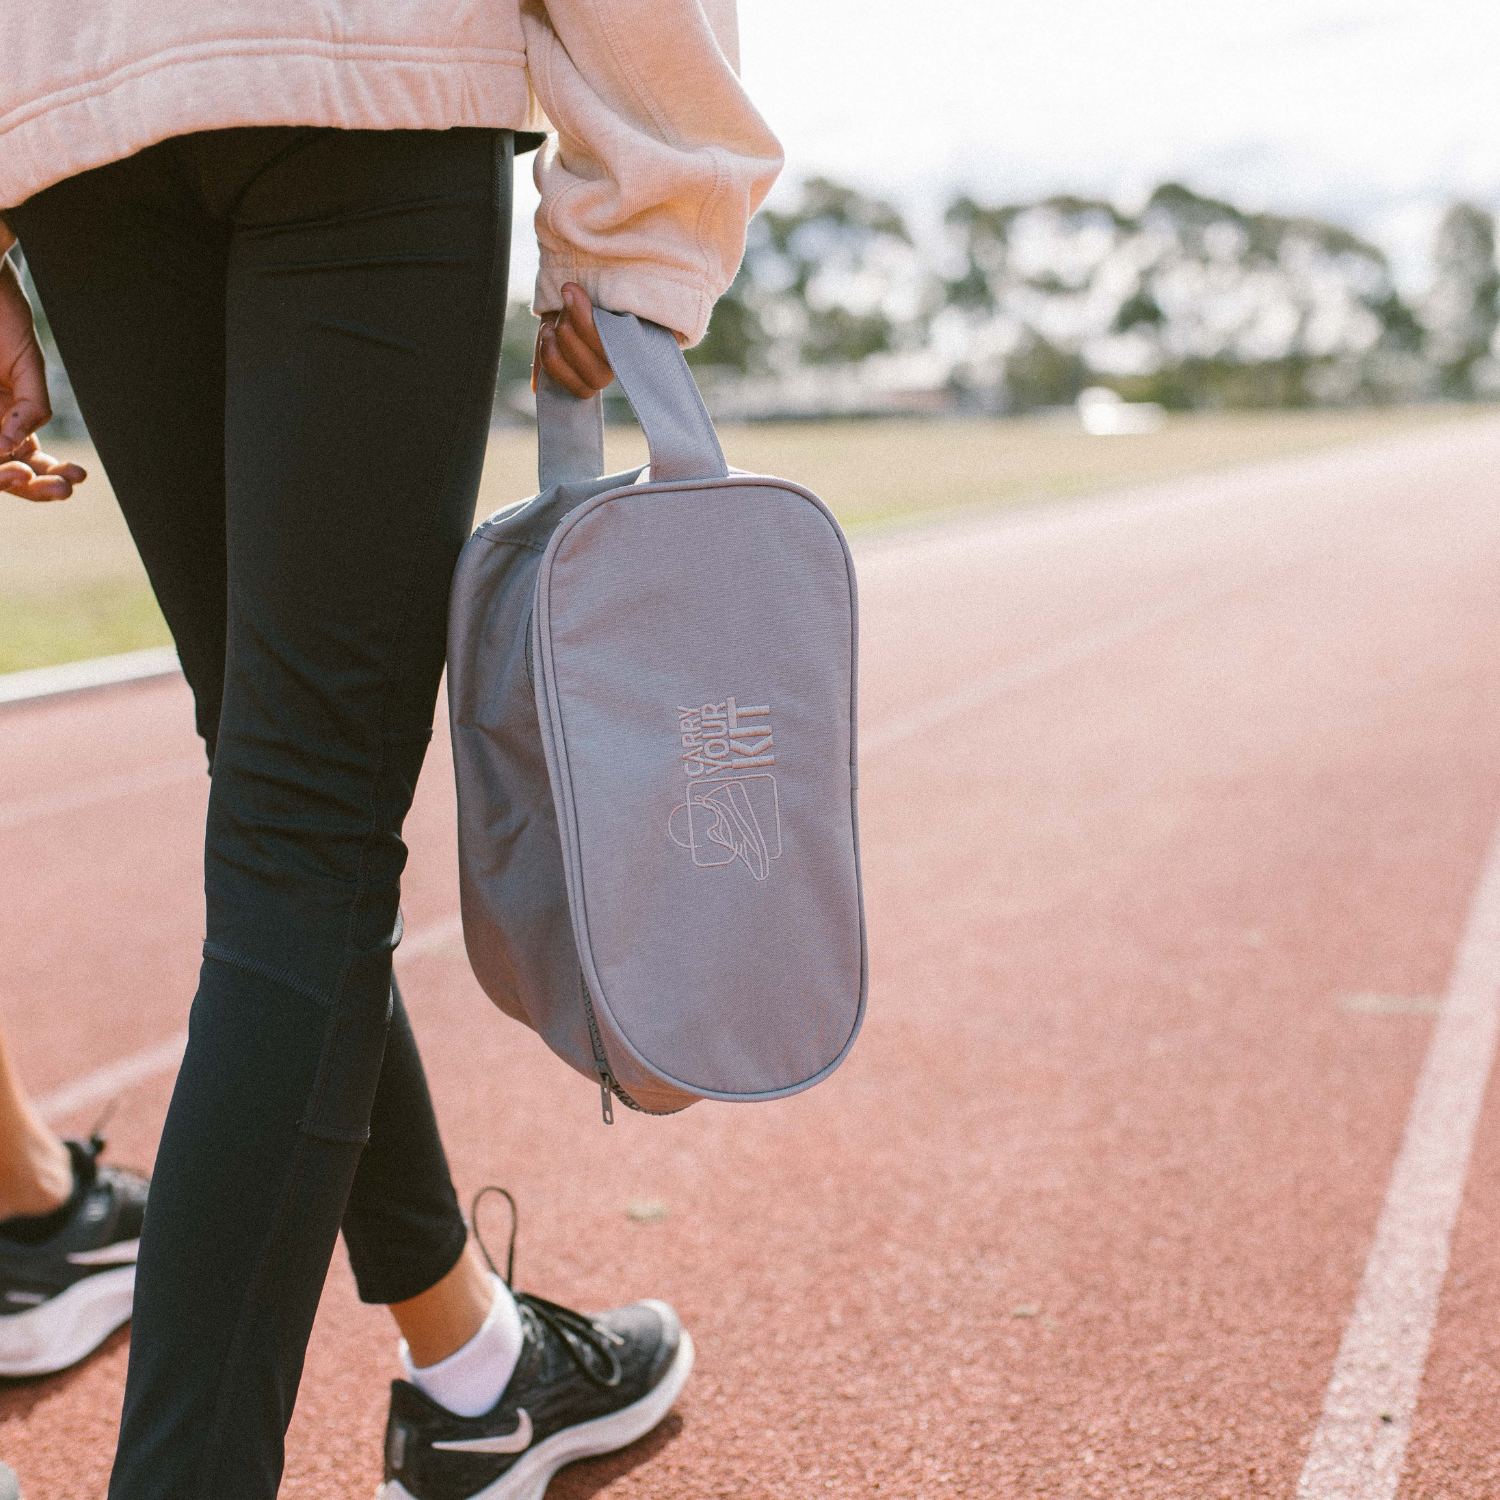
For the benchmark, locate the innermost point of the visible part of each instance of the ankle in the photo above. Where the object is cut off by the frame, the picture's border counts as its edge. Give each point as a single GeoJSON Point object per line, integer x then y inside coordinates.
{"type": "Point", "coordinates": [472, 1379]}
{"type": "Point", "coordinates": [446, 1316]}
{"type": "Point", "coordinates": [37, 1179]}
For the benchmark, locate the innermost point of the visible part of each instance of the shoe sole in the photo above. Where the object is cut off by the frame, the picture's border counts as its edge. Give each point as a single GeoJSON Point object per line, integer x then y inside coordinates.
{"type": "Point", "coordinates": [529, 1477]}
{"type": "Point", "coordinates": [65, 1328]}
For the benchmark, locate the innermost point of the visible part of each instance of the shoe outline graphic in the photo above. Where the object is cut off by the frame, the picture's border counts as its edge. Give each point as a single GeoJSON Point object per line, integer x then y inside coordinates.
{"type": "Point", "coordinates": [727, 820]}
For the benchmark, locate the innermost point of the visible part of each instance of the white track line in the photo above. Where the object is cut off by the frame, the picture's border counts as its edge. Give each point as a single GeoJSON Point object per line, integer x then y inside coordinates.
{"type": "Point", "coordinates": [1029, 669]}
{"type": "Point", "coordinates": [1359, 1448]}
{"type": "Point", "coordinates": [107, 789]}
{"type": "Point", "coordinates": [114, 1078]}
{"type": "Point", "coordinates": [430, 939]}
{"type": "Point", "coordinates": [98, 671]}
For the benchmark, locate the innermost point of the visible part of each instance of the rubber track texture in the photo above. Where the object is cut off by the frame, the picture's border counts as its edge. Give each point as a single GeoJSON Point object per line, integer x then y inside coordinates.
{"type": "Point", "coordinates": [1087, 1211]}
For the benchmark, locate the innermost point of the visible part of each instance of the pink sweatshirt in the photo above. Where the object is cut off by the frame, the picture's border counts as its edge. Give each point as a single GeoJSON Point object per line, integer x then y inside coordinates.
{"type": "Point", "coordinates": [655, 165]}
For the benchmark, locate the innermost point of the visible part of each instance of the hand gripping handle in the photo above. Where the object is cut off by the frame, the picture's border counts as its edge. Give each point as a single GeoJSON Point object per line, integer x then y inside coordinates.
{"type": "Point", "coordinates": [661, 390]}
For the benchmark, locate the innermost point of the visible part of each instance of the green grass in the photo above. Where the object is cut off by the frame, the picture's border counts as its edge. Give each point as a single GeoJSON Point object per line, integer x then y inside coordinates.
{"type": "Point", "coordinates": [71, 585]}
{"type": "Point", "coordinates": [95, 619]}
{"type": "Point", "coordinates": [874, 473]}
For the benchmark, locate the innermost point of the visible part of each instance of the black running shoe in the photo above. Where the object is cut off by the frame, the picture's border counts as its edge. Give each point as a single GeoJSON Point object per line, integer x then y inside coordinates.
{"type": "Point", "coordinates": [67, 1278]}
{"type": "Point", "coordinates": [582, 1386]}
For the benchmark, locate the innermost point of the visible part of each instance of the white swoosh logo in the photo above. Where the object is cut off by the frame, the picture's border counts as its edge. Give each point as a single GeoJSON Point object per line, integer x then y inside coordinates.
{"type": "Point", "coordinates": [512, 1442]}
{"type": "Point", "coordinates": [121, 1253]}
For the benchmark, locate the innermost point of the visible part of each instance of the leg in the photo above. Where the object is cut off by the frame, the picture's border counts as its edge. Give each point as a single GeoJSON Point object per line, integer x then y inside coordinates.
{"type": "Point", "coordinates": [357, 405]}
{"type": "Point", "coordinates": [403, 1219]}
{"type": "Point", "coordinates": [36, 1172]}
{"type": "Point", "coordinates": [68, 1235]}
{"type": "Point", "coordinates": [132, 273]}
{"type": "Point", "coordinates": [140, 345]}
{"type": "Point", "coordinates": [346, 303]}
{"type": "Point", "coordinates": [439, 1322]}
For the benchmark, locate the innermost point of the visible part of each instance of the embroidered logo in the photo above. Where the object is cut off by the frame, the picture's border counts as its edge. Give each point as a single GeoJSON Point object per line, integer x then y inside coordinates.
{"type": "Point", "coordinates": [728, 816]}
{"type": "Point", "coordinates": [509, 1442]}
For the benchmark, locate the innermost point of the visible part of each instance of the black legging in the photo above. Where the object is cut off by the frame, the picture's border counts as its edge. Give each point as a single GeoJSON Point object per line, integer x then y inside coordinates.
{"type": "Point", "coordinates": [284, 343]}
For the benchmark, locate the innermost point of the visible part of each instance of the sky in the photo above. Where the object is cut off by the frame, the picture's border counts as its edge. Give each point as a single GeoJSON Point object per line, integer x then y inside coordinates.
{"type": "Point", "coordinates": [1373, 113]}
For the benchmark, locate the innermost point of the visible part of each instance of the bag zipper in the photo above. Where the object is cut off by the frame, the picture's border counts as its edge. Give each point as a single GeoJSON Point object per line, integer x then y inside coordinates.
{"type": "Point", "coordinates": [609, 1088]}
{"type": "Point", "coordinates": [607, 1085]}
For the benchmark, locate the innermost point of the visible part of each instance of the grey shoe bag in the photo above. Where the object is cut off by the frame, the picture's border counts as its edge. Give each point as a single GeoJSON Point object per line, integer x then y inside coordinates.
{"type": "Point", "coordinates": [651, 680]}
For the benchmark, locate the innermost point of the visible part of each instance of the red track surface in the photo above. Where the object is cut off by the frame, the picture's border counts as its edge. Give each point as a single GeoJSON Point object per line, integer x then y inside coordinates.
{"type": "Point", "coordinates": [1086, 1212]}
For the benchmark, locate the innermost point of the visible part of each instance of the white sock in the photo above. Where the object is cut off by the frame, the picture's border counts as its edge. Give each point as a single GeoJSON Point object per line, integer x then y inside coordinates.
{"type": "Point", "coordinates": [469, 1382]}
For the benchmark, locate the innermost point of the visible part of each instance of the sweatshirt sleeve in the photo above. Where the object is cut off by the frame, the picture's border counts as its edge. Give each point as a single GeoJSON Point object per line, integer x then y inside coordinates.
{"type": "Point", "coordinates": [659, 158]}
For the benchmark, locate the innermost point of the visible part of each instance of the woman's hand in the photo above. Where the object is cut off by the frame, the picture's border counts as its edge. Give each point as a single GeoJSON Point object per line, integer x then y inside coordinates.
{"type": "Point", "coordinates": [34, 475]}
{"type": "Point", "coordinates": [568, 347]}
{"type": "Point", "coordinates": [24, 469]}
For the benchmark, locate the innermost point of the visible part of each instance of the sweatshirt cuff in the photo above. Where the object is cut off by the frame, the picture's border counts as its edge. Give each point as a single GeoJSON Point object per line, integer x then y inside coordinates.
{"type": "Point", "coordinates": [682, 306]}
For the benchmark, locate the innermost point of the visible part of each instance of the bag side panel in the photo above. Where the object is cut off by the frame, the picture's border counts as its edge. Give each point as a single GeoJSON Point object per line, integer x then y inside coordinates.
{"type": "Point", "coordinates": [512, 886]}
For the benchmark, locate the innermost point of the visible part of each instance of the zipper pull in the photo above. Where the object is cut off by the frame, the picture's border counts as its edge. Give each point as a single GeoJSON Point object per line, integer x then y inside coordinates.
{"type": "Point", "coordinates": [606, 1099]}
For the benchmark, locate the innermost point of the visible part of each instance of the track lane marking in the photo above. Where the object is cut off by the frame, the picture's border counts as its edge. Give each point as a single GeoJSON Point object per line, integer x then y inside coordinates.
{"type": "Point", "coordinates": [113, 1078]}
{"type": "Point", "coordinates": [1358, 1450]}
{"type": "Point", "coordinates": [1066, 521]}
{"type": "Point", "coordinates": [106, 789]}
{"type": "Point", "coordinates": [1098, 638]}
{"type": "Point", "coordinates": [164, 1057]}
{"type": "Point", "coordinates": [430, 939]}
{"type": "Point", "coordinates": [94, 672]}
{"type": "Point", "coordinates": [104, 1082]}
{"type": "Point", "coordinates": [1054, 658]}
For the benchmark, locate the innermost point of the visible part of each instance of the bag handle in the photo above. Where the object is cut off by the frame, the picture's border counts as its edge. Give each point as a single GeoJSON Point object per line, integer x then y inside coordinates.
{"type": "Point", "coordinates": [569, 434]}
{"type": "Point", "coordinates": [663, 394]}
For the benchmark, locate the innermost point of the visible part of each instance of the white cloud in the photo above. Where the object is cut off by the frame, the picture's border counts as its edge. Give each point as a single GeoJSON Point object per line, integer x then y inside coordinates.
{"type": "Point", "coordinates": [1372, 112]}
{"type": "Point", "coordinates": [1369, 113]}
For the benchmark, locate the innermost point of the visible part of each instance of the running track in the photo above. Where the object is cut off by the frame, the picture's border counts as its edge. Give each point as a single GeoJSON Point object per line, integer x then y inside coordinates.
{"type": "Point", "coordinates": [1178, 816]}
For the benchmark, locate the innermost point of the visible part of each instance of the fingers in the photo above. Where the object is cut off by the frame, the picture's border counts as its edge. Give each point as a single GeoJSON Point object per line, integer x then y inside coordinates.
{"type": "Point", "coordinates": [72, 473]}
{"type": "Point", "coordinates": [28, 407]}
{"type": "Point", "coordinates": [579, 340]}
{"type": "Point", "coordinates": [17, 478]}
{"type": "Point", "coordinates": [569, 349]}
{"type": "Point", "coordinates": [21, 419]}
{"type": "Point", "coordinates": [55, 468]}
{"type": "Point", "coordinates": [551, 360]}
{"type": "Point", "coordinates": [34, 475]}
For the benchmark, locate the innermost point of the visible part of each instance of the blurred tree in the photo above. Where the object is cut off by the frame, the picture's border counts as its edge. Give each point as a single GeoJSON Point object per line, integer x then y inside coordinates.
{"type": "Point", "coordinates": [1460, 312]}
{"type": "Point", "coordinates": [1190, 302]}
{"type": "Point", "coordinates": [735, 339]}
{"type": "Point", "coordinates": [983, 236]}
{"type": "Point", "coordinates": [832, 280]}
{"type": "Point", "coordinates": [1139, 310]}
{"type": "Point", "coordinates": [1040, 374]}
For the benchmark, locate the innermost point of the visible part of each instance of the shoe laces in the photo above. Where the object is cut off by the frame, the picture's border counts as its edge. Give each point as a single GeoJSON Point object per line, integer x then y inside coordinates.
{"type": "Point", "coordinates": [588, 1342]}
{"type": "Point", "coordinates": [86, 1157]}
